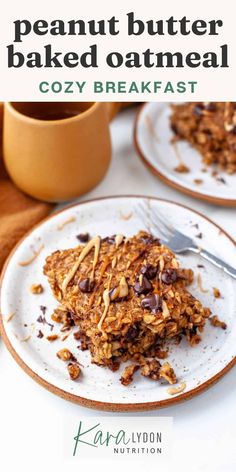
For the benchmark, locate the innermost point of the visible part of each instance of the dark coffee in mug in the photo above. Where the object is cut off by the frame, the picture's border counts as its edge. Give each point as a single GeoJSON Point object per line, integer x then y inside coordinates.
{"type": "Point", "coordinates": [52, 115]}
{"type": "Point", "coordinates": [51, 111]}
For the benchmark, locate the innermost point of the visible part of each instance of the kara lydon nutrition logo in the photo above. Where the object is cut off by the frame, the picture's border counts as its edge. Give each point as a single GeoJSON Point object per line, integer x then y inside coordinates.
{"type": "Point", "coordinates": [122, 437]}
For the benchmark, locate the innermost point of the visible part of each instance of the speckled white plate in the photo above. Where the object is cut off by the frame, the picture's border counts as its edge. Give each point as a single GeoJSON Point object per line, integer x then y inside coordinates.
{"type": "Point", "coordinates": [98, 387]}
{"type": "Point", "coordinates": [152, 136]}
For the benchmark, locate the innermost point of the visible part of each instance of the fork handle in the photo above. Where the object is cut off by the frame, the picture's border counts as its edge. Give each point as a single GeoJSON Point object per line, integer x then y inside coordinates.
{"type": "Point", "coordinates": [216, 261]}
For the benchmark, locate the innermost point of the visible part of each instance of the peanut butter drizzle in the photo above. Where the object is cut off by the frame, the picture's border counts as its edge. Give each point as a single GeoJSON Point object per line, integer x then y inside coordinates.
{"type": "Point", "coordinates": [93, 243]}
{"type": "Point", "coordinates": [102, 272]}
{"type": "Point", "coordinates": [199, 282]}
{"type": "Point", "coordinates": [107, 261]}
{"type": "Point", "coordinates": [106, 299]}
{"type": "Point", "coordinates": [32, 258]}
{"type": "Point", "coordinates": [175, 390]}
{"type": "Point", "coordinates": [66, 222]}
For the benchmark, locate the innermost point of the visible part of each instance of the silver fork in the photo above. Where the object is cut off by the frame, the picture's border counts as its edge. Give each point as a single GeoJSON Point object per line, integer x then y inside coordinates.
{"type": "Point", "coordinates": [177, 241]}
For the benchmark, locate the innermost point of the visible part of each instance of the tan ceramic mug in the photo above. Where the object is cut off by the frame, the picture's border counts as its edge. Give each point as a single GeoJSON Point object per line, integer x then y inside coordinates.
{"type": "Point", "coordinates": [57, 151]}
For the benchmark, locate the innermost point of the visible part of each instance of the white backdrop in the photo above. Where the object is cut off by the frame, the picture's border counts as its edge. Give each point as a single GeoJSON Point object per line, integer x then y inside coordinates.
{"type": "Point", "coordinates": [213, 84]}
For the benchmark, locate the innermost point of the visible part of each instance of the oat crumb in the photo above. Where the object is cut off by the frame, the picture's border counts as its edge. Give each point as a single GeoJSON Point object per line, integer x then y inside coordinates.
{"type": "Point", "coordinates": [214, 320]}
{"type": "Point", "coordinates": [198, 181]}
{"type": "Point", "coordinates": [36, 289]}
{"type": "Point", "coordinates": [52, 337]}
{"type": "Point", "coordinates": [167, 372]}
{"type": "Point", "coordinates": [65, 355]}
{"type": "Point", "coordinates": [66, 336]}
{"type": "Point", "coordinates": [9, 317]}
{"type": "Point", "coordinates": [127, 374]}
{"type": "Point", "coordinates": [74, 370]}
{"type": "Point", "coordinates": [182, 168]}
{"type": "Point", "coordinates": [216, 292]}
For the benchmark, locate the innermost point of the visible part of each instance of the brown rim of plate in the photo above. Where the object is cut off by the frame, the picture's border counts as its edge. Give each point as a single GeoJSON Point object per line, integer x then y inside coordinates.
{"type": "Point", "coordinates": [98, 405]}
{"type": "Point", "coordinates": [200, 196]}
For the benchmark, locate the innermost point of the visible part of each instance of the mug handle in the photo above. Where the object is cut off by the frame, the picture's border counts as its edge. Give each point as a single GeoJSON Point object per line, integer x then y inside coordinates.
{"type": "Point", "coordinates": [112, 109]}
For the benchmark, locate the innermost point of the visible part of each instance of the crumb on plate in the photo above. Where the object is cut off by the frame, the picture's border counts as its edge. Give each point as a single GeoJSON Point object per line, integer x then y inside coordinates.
{"type": "Point", "coordinates": [36, 289]}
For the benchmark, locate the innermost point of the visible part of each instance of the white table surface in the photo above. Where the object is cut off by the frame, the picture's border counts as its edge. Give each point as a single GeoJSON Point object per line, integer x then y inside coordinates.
{"type": "Point", "coordinates": [31, 418]}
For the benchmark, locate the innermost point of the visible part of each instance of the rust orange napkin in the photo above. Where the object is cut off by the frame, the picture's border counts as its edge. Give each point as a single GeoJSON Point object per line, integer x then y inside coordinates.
{"type": "Point", "coordinates": [18, 212]}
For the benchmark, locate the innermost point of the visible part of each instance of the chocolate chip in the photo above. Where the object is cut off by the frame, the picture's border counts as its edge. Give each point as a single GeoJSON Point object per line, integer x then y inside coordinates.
{"type": "Point", "coordinates": [199, 236]}
{"type": "Point", "coordinates": [109, 239]}
{"type": "Point", "coordinates": [198, 109]}
{"type": "Point", "coordinates": [149, 239]}
{"type": "Point", "coordinates": [83, 237]}
{"type": "Point", "coordinates": [174, 128]}
{"type": "Point", "coordinates": [70, 321]}
{"type": "Point", "coordinates": [193, 330]}
{"type": "Point", "coordinates": [149, 271]}
{"type": "Point", "coordinates": [221, 179]}
{"type": "Point", "coordinates": [152, 303]}
{"type": "Point", "coordinates": [142, 285]}
{"type": "Point", "coordinates": [42, 319]}
{"type": "Point", "coordinates": [210, 106]}
{"type": "Point", "coordinates": [86, 285]}
{"type": "Point", "coordinates": [132, 333]}
{"type": "Point", "coordinates": [113, 295]}
{"type": "Point", "coordinates": [43, 309]}
{"type": "Point", "coordinates": [40, 334]}
{"type": "Point", "coordinates": [122, 350]}
{"type": "Point", "coordinates": [233, 130]}
{"type": "Point", "coordinates": [169, 276]}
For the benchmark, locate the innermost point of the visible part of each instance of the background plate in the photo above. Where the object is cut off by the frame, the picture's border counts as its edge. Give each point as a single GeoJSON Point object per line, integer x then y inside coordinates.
{"type": "Point", "coordinates": [100, 388]}
{"type": "Point", "coordinates": [152, 137]}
